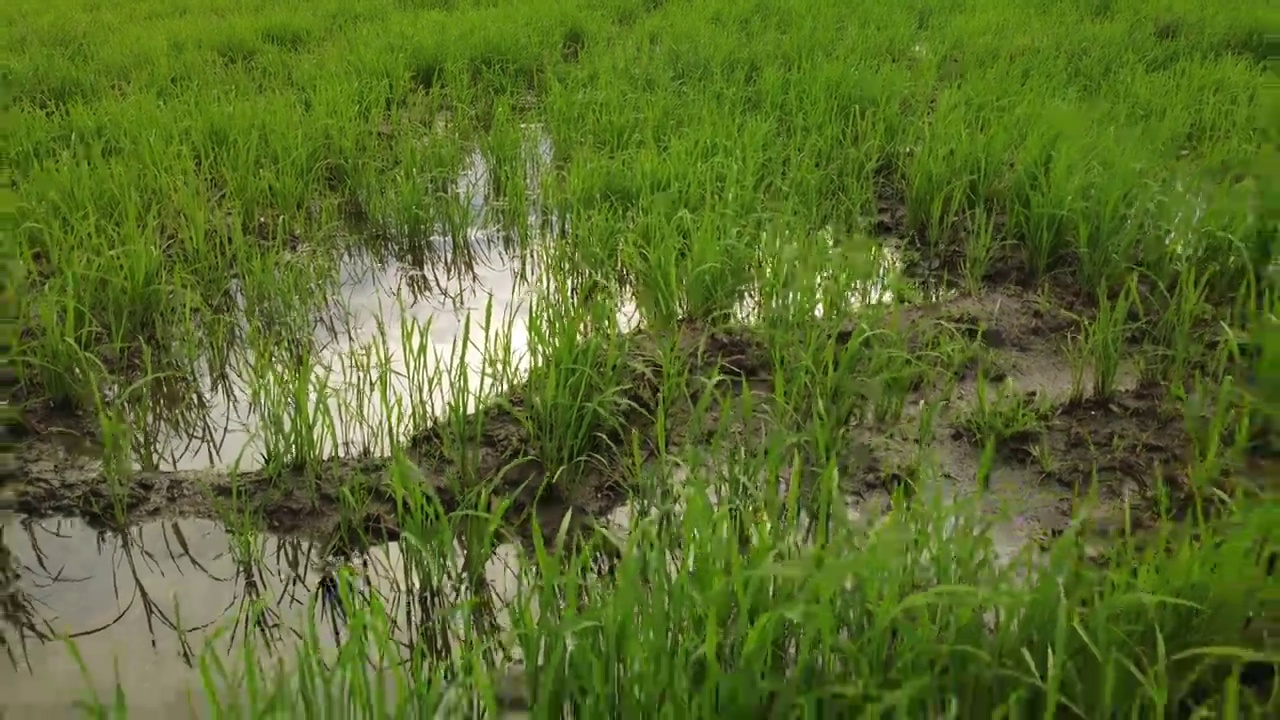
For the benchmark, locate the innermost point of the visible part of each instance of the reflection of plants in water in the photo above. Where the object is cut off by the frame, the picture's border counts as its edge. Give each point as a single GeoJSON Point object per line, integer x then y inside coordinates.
{"type": "Point", "coordinates": [336, 603]}
{"type": "Point", "coordinates": [295, 560]}
{"type": "Point", "coordinates": [429, 598]}
{"type": "Point", "coordinates": [442, 552]}
{"type": "Point", "coordinates": [17, 611]}
{"type": "Point", "coordinates": [254, 612]}
{"type": "Point", "coordinates": [174, 416]}
{"type": "Point", "coordinates": [126, 550]}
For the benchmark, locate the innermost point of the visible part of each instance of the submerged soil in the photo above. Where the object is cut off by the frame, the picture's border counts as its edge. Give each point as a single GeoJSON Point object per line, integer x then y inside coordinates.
{"type": "Point", "coordinates": [1115, 445]}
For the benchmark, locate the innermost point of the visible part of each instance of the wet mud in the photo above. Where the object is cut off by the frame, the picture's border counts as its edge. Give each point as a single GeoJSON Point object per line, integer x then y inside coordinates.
{"type": "Point", "coordinates": [1118, 442]}
{"type": "Point", "coordinates": [500, 458]}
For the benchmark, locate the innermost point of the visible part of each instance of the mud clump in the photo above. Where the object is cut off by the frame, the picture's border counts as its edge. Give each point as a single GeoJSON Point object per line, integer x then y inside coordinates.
{"type": "Point", "coordinates": [1127, 438]}
{"type": "Point", "coordinates": [1129, 446]}
{"type": "Point", "coordinates": [502, 456]}
{"type": "Point", "coordinates": [55, 483]}
{"type": "Point", "coordinates": [1008, 320]}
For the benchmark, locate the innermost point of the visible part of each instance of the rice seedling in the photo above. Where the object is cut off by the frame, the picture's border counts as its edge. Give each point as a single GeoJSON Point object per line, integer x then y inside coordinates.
{"type": "Point", "coordinates": [1099, 349]}
{"type": "Point", "coordinates": [636, 358]}
{"type": "Point", "coordinates": [1004, 415]}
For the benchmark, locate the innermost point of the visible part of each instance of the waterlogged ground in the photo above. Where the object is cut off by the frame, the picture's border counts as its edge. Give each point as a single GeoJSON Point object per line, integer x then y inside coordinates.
{"type": "Point", "coordinates": [159, 609]}
{"type": "Point", "coordinates": [410, 320]}
{"type": "Point", "coordinates": [124, 593]}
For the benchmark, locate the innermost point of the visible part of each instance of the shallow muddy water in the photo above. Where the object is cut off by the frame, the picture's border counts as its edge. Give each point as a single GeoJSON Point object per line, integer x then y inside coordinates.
{"type": "Point", "coordinates": [143, 608]}
{"type": "Point", "coordinates": [401, 318]}
{"type": "Point", "coordinates": [124, 597]}
{"type": "Point", "coordinates": [379, 310]}
{"type": "Point", "coordinates": [122, 602]}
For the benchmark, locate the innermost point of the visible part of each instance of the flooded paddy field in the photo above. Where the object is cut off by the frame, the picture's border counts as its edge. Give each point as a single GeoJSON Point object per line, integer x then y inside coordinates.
{"type": "Point", "coordinates": [684, 358]}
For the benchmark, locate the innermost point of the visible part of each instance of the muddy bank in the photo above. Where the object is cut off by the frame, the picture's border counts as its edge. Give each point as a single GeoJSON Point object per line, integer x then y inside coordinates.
{"type": "Point", "coordinates": [53, 481]}
{"type": "Point", "coordinates": [1007, 338]}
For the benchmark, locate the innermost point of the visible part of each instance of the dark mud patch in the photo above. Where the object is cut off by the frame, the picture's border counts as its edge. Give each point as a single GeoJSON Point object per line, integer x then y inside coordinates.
{"type": "Point", "coordinates": [1123, 441]}
{"type": "Point", "coordinates": [1132, 449]}
{"type": "Point", "coordinates": [1005, 319]}
{"type": "Point", "coordinates": [1014, 335]}
{"type": "Point", "coordinates": [891, 212]}
{"type": "Point", "coordinates": [58, 483]}
{"type": "Point", "coordinates": [936, 257]}
{"type": "Point", "coordinates": [28, 418]}
{"type": "Point", "coordinates": [1139, 444]}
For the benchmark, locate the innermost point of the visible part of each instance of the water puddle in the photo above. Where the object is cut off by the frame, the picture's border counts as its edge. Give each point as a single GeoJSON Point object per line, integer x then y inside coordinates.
{"type": "Point", "coordinates": [406, 331]}
{"type": "Point", "coordinates": [147, 606]}
{"type": "Point", "coordinates": [410, 313]}
{"type": "Point", "coordinates": [144, 606]}
{"type": "Point", "coordinates": [394, 352]}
